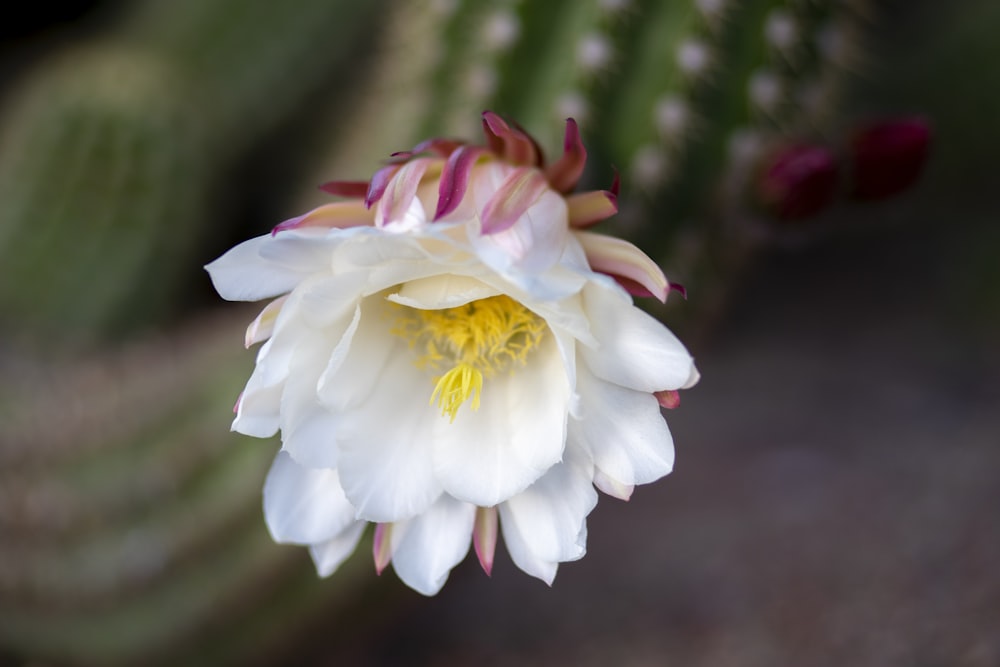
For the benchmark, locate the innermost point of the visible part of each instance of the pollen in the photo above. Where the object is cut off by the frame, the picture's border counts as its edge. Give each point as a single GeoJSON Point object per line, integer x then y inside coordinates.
{"type": "Point", "coordinates": [465, 346]}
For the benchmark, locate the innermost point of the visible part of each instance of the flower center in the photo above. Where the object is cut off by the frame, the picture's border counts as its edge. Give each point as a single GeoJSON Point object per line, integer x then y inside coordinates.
{"type": "Point", "coordinates": [465, 344]}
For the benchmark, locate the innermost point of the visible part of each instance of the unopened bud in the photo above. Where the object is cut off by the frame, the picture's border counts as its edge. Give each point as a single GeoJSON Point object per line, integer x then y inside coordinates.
{"type": "Point", "coordinates": [798, 181]}
{"type": "Point", "coordinates": [888, 156]}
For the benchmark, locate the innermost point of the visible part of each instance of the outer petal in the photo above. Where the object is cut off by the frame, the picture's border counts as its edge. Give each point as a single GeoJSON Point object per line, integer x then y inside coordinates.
{"type": "Point", "coordinates": [258, 411]}
{"type": "Point", "coordinates": [427, 547]}
{"type": "Point", "coordinates": [455, 178]}
{"type": "Point", "coordinates": [623, 431]}
{"type": "Point", "coordinates": [266, 266]}
{"type": "Point", "coordinates": [636, 351]}
{"type": "Point", "coordinates": [308, 426]}
{"type": "Point", "coordinates": [612, 487]}
{"type": "Point", "coordinates": [338, 214]}
{"type": "Point", "coordinates": [263, 325]}
{"type": "Point", "coordinates": [518, 433]}
{"type": "Point", "coordinates": [329, 555]}
{"type": "Point", "coordinates": [616, 257]}
{"type": "Point", "coordinates": [546, 524]}
{"type": "Point", "coordinates": [589, 208]}
{"type": "Point", "coordinates": [304, 505]}
{"type": "Point", "coordinates": [566, 171]}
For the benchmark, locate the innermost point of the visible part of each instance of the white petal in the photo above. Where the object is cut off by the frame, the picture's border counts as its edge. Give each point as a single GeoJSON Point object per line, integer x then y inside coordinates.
{"type": "Point", "coordinates": [308, 428]}
{"type": "Point", "coordinates": [613, 487]}
{"type": "Point", "coordinates": [385, 459]}
{"type": "Point", "coordinates": [567, 352]}
{"type": "Point", "coordinates": [693, 378]}
{"type": "Point", "coordinates": [518, 432]}
{"type": "Point", "coordinates": [263, 325]}
{"type": "Point", "coordinates": [258, 412]}
{"type": "Point", "coordinates": [356, 363]}
{"type": "Point", "coordinates": [636, 350]}
{"type": "Point", "coordinates": [427, 547]}
{"type": "Point", "coordinates": [623, 430]}
{"type": "Point", "coordinates": [267, 266]}
{"type": "Point", "coordinates": [442, 291]}
{"type": "Point", "coordinates": [330, 554]}
{"type": "Point", "coordinates": [367, 247]}
{"type": "Point", "coordinates": [328, 301]}
{"type": "Point", "coordinates": [547, 523]}
{"type": "Point", "coordinates": [304, 505]}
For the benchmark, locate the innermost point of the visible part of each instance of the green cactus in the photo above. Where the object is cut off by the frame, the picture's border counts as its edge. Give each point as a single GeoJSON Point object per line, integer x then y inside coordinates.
{"type": "Point", "coordinates": [111, 153]}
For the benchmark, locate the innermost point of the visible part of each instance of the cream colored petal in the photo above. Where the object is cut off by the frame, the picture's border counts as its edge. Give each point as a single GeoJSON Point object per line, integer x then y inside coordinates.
{"type": "Point", "coordinates": [304, 505]}
{"type": "Point", "coordinates": [428, 546]}
{"type": "Point", "coordinates": [616, 257]}
{"type": "Point", "coordinates": [635, 350]}
{"type": "Point", "coordinates": [547, 523]}
{"type": "Point", "coordinates": [623, 431]}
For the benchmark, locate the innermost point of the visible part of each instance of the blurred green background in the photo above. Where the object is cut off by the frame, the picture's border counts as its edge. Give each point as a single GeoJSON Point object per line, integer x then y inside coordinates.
{"type": "Point", "coordinates": [835, 495]}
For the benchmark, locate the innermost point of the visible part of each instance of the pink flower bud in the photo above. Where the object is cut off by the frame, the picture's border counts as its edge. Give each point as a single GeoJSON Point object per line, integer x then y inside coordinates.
{"type": "Point", "coordinates": [798, 181]}
{"type": "Point", "coordinates": [887, 156]}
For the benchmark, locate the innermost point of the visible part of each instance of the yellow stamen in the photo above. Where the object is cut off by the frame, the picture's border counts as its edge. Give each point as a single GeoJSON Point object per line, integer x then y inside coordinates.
{"type": "Point", "coordinates": [469, 343]}
{"type": "Point", "coordinates": [456, 387]}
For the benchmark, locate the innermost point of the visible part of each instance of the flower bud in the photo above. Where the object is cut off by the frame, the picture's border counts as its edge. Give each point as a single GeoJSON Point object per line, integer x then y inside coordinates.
{"type": "Point", "coordinates": [798, 181]}
{"type": "Point", "coordinates": [888, 156]}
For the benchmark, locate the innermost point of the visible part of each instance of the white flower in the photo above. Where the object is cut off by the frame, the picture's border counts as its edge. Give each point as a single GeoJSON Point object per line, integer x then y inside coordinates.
{"type": "Point", "coordinates": [452, 356]}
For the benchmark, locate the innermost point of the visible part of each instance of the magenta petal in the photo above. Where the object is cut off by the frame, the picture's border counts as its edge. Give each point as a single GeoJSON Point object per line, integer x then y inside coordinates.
{"type": "Point", "coordinates": [484, 537]}
{"type": "Point", "coordinates": [340, 214]}
{"type": "Point", "coordinates": [401, 190]}
{"type": "Point", "coordinates": [537, 150]}
{"type": "Point", "coordinates": [380, 181]}
{"type": "Point", "coordinates": [513, 198]}
{"type": "Point", "coordinates": [669, 398]}
{"type": "Point", "coordinates": [381, 548]}
{"type": "Point", "coordinates": [455, 178]}
{"type": "Point", "coordinates": [680, 289]}
{"type": "Point", "coordinates": [353, 189]}
{"type": "Point", "coordinates": [512, 144]}
{"type": "Point", "coordinates": [438, 146]}
{"type": "Point", "coordinates": [564, 173]}
{"type": "Point", "coordinates": [632, 287]}
{"type": "Point", "coordinates": [493, 128]}
{"type": "Point", "coordinates": [291, 223]}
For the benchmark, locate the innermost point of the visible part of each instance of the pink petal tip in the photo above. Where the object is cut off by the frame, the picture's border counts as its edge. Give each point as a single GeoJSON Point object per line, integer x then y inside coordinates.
{"type": "Point", "coordinates": [669, 399]}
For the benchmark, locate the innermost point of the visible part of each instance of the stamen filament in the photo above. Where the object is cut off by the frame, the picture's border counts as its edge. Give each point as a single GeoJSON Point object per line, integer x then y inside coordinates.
{"type": "Point", "coordinates": [456, 387]}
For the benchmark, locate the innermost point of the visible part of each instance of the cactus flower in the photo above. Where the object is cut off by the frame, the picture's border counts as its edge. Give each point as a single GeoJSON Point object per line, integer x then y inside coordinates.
{"type": "Point", "coordinates": [453, 356]}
